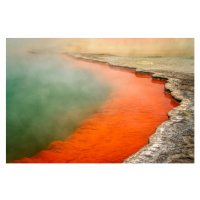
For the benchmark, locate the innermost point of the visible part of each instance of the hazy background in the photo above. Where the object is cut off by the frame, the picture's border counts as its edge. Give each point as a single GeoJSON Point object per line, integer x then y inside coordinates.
{"type": "Point", "coordinates": [133, 46]}
{"type": "Point", "coordinates": [119, 46]}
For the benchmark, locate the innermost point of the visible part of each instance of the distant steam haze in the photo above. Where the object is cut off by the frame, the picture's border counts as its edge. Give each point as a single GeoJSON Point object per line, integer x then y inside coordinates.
{"type": "Point", "coordinates": [133, 46]}
{"type": "Point", "coordinates": [116, 46]}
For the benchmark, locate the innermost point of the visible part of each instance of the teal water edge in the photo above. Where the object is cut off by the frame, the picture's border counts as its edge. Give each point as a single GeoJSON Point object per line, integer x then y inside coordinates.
{"type": "Point", "coordinates": [46, 99]}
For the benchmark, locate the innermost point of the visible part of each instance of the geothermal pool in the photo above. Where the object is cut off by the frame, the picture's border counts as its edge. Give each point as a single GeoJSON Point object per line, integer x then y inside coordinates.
{"type": "Point", "coordinates": [46, 99]}
{"type": "Point", "coordinates": [124, 110]}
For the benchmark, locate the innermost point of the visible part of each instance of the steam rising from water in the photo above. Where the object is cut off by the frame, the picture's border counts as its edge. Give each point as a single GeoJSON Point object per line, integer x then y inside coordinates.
{"type": "Point", "coordinates": [46, 100]}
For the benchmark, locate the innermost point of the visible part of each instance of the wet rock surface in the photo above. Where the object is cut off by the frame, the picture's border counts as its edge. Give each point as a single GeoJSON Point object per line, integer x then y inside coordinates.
{"type": "Point", "coordinates": [173, 140]}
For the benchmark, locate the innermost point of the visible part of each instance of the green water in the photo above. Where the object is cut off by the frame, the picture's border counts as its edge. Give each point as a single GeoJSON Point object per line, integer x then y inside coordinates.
{"type": "Point", "coordinates": [46, 99]}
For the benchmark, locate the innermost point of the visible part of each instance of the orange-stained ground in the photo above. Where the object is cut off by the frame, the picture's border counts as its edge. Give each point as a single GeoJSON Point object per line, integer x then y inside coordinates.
{"type": "Point", "coordinates": [122, 126]}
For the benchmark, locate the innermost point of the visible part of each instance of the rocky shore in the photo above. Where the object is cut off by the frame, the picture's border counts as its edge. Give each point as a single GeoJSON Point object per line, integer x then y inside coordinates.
{"type": "Point", "coordinates": [173, 140]}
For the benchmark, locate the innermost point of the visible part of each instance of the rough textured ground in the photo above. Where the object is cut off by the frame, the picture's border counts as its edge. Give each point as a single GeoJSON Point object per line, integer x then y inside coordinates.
{"type": "Point", "coordinates": [173, 141]}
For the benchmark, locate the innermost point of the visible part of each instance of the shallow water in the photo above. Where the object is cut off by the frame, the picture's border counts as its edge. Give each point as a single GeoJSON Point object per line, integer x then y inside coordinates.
{"type": "Point", "coordinates": [46, 99]}
{"type": "Point", "coordinates": [123, 124]}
